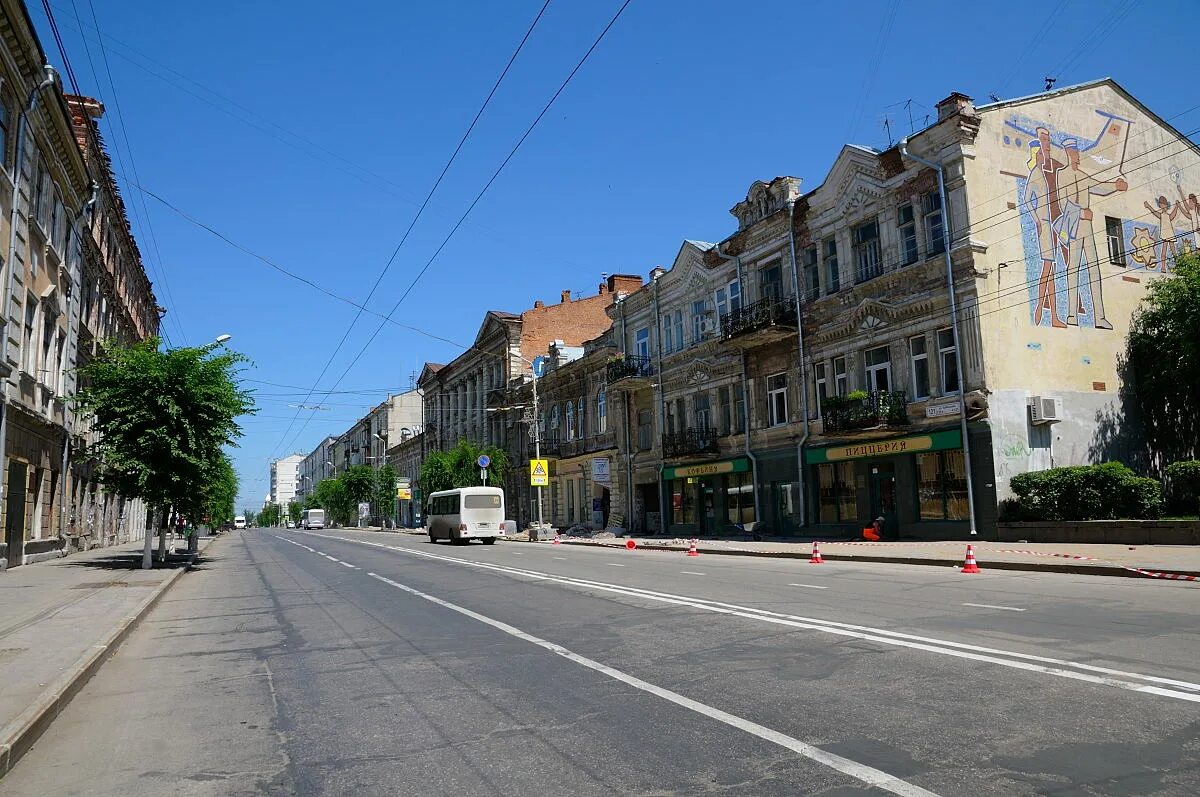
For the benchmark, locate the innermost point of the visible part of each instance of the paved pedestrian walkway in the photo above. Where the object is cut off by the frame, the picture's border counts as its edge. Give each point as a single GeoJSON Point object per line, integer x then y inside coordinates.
{"type": "Point", "coordinates": [59, 620]}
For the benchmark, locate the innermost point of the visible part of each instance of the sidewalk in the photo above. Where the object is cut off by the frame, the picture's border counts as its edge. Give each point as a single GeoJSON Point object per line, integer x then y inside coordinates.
{"type": "Point", "coordinates": [59, 620]}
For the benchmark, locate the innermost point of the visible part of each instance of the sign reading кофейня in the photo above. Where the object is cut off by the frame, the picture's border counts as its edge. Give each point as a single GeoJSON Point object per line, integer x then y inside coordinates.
{"type": "Point", "coordinates": [934, 441]}
{"type": "Point", "coordinates": [706, 469]}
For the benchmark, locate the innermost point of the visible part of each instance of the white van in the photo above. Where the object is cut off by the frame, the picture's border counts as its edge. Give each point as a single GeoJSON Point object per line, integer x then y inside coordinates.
{"type": "Point", "coordinates": [239, 522]}
{"type": "Point", "coordinates": [465, 514]}
{"type": "Point", "coordinates": [313, 519]}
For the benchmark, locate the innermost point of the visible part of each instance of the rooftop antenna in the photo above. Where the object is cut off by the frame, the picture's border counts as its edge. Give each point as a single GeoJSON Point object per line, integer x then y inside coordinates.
{"type": "Point", "coordinates": [993, 98]}
{"type": "Point", "coordinates": [412, 379]}
{"type": "Point", "coordinates": [908, 107]}
{"type": "Point", "coordinates": [1050, 81]}
{"type": "Point", "coordinates": [887, 125]}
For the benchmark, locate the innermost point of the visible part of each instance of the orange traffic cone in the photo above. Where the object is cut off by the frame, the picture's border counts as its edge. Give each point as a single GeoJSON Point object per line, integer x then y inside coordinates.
{"type": "Point", "coordinates": [970, 566]}
{"type": "Point", "coordinates": [692, 549]}
{"type": "Point", "coordinates": [816, 555]}
{"type": "Point", "coordinates": [556, 542]}
{"type": "Point", "coordinates": [630, 544]}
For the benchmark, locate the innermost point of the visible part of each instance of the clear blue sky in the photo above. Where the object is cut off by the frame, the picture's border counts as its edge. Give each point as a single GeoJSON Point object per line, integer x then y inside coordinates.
{"type": "Point", "coordinates": [330, 121]}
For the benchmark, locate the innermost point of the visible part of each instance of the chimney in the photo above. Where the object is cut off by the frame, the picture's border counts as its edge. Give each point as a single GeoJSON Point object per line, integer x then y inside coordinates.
{"type": "Point", "coordinates": [603, 288]}
{"type": "Point", "coordinates": [538, 304]}
{"type": "Point", "coordinates": [622, 284]}
{"type": "Point", "coordinates": [955, 103]}
{"type": "Point", "coordinates": [566, 297]}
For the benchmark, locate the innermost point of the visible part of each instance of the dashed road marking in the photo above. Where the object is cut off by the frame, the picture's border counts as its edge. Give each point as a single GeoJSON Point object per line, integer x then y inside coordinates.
{"type": "Point", "coordinates": [613, 564]}
{"type": "Point", "coordinates": [809, 586]}
{"type": "Point", "coordinates": [992, 606]}
{"type": "Point", "coordinates": [690, 573]}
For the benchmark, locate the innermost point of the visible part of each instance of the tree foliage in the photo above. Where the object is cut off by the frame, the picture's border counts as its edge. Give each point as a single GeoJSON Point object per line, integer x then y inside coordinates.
{"type": "Point", "coordinates": [330, 495]}
{"type": "Point", "coordinates": [1164, 358]}
{"type": "Point", "coordinates": [163, 417]}
{"type": "Point", "coordinates": [295, 511]}
{"type": "Point", "coordinates": [269, 516]}
{"type": "Point", "coordinates": [446, 470]}
{"type": "Point", "coordinates": [385, 492]}
{"type": "Point", "coordinates": [1087, 492]}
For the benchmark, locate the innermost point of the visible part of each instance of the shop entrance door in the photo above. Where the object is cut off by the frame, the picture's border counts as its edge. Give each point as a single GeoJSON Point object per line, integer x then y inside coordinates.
{"type": "Point", "coordinates": [706, 516]}
{"type": "Point", "coordinates": [883, 498]}
{"type": "Point", "coordinates": [18, 484]}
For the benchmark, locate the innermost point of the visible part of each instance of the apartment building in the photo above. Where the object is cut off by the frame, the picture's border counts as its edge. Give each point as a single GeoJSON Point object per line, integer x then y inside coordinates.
{"type": "Point", "coordinates": [285, 479]}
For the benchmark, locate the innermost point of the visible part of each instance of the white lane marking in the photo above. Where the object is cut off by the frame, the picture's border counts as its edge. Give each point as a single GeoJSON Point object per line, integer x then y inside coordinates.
{"type": "Point", "coordinates": [991, 606]}
{"type": "Point", "coordinates": [690, 573]}
{"type": "Point", "coordinates": [347, 564]}
{"type": "Point", "coordinates": [560, 558]}
{"type": "Point", "coordinates": [929, 644]}
{"type": "Point", "coordinates": [809, 586]}
{"type": "Point", "coordinates": [613, 564]}
{"type": "Point", "coordinates": [514, 553]}
{"type": "Point", "coordinates": [861, 772]}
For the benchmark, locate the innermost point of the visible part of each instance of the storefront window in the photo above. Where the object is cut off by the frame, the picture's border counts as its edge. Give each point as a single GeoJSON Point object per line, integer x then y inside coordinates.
{"type": "Point", "coordinates": [835, 482]}
{"type": "Point", "coordinates": [942, 486]}
{"type": "Point", "coordinates": [683, 501]}
{"type": "Point", "coordinates": [739, 498]}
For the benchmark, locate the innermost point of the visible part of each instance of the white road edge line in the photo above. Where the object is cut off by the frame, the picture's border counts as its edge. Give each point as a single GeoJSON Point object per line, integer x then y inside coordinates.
{"type": "Point", "coordinates": [861, 772]}
{"type": "Point", "coordinates": [992, 606]}
{"type": "Point", "coordinates": [810, 586]}
{"type": "Point", "coordinates": [690, 573]}
{"type": "Point", "coordinates": [943, 647]}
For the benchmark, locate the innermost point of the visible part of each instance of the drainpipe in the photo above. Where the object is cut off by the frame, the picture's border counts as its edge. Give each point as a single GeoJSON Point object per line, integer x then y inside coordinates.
{"type": "Point", "coordinates": [803, 371]}
{"type": "Point", "coordinates": [50, 79]}
{"type": "Point", "coordinates": [73, 334]}
{"type": "Point", "coordinates": [662, 413]}
{"type": "Point", "coordinates": [962, 396]}
{"type": "Point", "coordinates": [737, 262]}
{"type": "Point", "coordinates": [627, 405]}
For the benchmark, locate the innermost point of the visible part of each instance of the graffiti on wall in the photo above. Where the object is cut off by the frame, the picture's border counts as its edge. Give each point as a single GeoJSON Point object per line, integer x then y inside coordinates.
{"type": "Point", "coordinates": [1064, 172]}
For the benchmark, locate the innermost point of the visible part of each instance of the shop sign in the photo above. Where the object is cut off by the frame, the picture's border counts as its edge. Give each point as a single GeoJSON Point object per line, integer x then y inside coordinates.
{"type": "Point", "coordinates": [601, 470]}
{"type": "Point", "coordinates": [934, 441]}
{"type": "Point", "coordinates": [707, 469]}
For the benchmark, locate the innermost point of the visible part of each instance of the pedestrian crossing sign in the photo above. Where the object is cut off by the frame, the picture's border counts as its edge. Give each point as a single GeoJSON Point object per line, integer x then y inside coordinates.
{"type": "Point", "coordinates": [539, 473]}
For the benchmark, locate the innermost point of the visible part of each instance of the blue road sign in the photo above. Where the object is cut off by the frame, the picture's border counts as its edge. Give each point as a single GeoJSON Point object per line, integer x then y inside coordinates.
{"type": "Point", "coordinates": [539, 366]}
{"type": "Point", "coordinates": [483, 461]}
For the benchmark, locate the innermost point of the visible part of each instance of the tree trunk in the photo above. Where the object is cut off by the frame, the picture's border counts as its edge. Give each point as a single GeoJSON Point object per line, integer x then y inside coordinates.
{"type": "Point", "coordinates": [148, 550]}
{"type": "Point", "coordinates": [162, 536]}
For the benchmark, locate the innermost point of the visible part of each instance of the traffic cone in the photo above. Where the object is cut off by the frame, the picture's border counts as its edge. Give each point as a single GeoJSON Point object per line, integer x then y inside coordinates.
{"type": "Point", "coordinates": [556, 541]}
{"type": "Point", "coordinates": [692, 548]}
{"type": "Point", "coordinates": [816, 555]}
{"type": "Point", "coordinates": [630, 544]}
{"type": "Point", "coordinates": [970, 566]}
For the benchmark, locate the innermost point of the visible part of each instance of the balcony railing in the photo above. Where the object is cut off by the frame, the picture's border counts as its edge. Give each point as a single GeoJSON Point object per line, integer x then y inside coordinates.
{"type": "Point", "coordinates": [630, 366]}
{"type": "Point", "coordinates": [862, 410]}
{"type": "Point", "coordinates": [690, 441]}
{"type": "Point", "coordinates": [768, 312]}
{"type": "Point", "coordinates": [551, 444]}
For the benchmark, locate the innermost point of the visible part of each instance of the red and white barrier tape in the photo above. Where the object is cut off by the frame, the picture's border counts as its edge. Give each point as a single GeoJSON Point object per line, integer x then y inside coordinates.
{"type": "Point", "coordinates": [1043, 553]}
{"type": "Point", "coordinates": [1168, 576]}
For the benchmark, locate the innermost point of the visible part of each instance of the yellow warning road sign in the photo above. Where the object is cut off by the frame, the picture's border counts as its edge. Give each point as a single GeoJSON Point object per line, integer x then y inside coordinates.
{"type": "Point", "coordinates": [539, 473]}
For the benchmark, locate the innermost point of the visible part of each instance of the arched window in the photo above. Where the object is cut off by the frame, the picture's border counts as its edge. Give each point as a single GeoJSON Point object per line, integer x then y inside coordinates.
{"type": "Point", "coordinates": [602, 411]}
{"type": "Point", "coordinates": [554, 419]}
{"type": "Point", "coordinates": [570, 420]}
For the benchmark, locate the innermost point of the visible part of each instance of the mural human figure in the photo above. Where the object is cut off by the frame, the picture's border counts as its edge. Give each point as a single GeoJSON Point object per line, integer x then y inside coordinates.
{"type": "Point", "coordinates": [1190, 207]}
{"type": "Point", "coordinates": [1041, 201]}
{"type": "Point", "coordinates": [1166, 229]}
{"type": "Point", "coordinates": [1077, 187]}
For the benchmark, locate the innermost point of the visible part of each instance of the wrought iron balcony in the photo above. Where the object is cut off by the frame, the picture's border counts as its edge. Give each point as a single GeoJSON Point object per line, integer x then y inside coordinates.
{"type": "Point", "coordinates": [772, 317]}
{"type": "Point", "coordinates": [862, 410]}
{"type": "Point", "coordinates": [629, 367]}
{"type": "Point", "coordinates": [551, 444]}
{"type": "Point", "coordinates": [690, 441]}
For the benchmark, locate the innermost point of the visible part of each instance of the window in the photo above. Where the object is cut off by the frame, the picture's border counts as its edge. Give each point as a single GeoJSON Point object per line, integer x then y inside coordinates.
{"type": "Point", "coordinates": [481, 501]}
{"type": "Point", "coordinates": [668, 335]}
{"type": "Point", "coordinates": [935, 228]}
{"type": "Point", "coordinates": [570, 420]}
{"type": "Point", "coordinates": [920, 367]}
{"type": "Point", "coordinates": [645, 420]}
{"type": "Point", "coordinates": [948, 360]}
{"type": "Point", "coordinates": [702, 411]}
{"type": "Point", "coordinates": [735, 295]}
{"type": "Point", "coordinates": [580, 419]}
{"type": "Point", "coordinates": [602, 411]}
{"type": "Point", "coordinates": [835, 492]}
{"type": "Point", "coordinates": [554, 420]}
{"type": "Point", "coordinates": [28, 352]}
{"type": "Point", "coordinates": [739, 410]}
{"type": "Point", "coordinates": [670, 420]}
{"type": "Point", "coordinates": [722, 303]}
{"type": "Point", "coordinates": [907, 224]}
{"type": "Point", "coordinates": [678, 330]}
{"type": "Point", "coordinates": [4, 122]}
{"type": "Point", "coordinates": [770, 280]}
{"type": "Point", "coordinates": [641, 342]}
{"type": "Point", "coordinates": [570, 488]}
{"type": "Point", "coordinates": [1116, 241]}
{"type": "Point", "coordinates": [683, 501]}
{"type": "Point", "coordinates": [699, 316]}
{"type": "Point", "coordinates": [833, 277]}
{"type": "Point", "coordinates": [942, 486]}
{"type": "Point", "coordinates": [879, 369]}
{"type": "Point", "coordinates": [841, 385]}
{"type": "Point", "coordinates": [777, 399]}
{"type": "Point", "coordinates": [739, 498]}
{"type": "Point", "coordinates": [866, 250]}
{"type": "Point", "coordinates": [820, 384]}
{"type": "Point", "coordinates": [46, 363]}
{"type": "Point", "coordinates": [723, 410]}
{"type": "Point", "coordinates": [812, 274]}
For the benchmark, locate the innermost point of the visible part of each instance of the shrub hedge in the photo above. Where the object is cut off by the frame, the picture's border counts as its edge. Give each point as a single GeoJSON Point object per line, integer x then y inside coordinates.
{"type": "Point", "coordinates": [1087, 492]}
{"type": "Point", "coordinates": [1184, 478]}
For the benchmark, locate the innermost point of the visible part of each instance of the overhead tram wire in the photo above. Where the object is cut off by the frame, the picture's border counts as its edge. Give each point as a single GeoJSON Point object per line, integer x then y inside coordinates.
{"type": "Point", "coordinates": [424, 204]}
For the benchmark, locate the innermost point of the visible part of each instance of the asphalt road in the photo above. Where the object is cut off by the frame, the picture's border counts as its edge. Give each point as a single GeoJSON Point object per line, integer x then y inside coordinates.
{"type": "Point", "coordinates": [371, 664]}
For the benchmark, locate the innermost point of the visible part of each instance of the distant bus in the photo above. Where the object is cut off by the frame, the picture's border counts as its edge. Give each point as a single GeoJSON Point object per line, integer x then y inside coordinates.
{"type": "Point", "coordinates": [465, 514]}
{"type": "Point", "coordinates": [313, 519]}
{"type": "Point", "coordinates": [239, 522]}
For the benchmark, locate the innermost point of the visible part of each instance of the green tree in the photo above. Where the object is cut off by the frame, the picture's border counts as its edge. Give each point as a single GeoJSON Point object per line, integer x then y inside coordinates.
{"type": "Point", "coordinates": [163, 417]}
{"type": "Point", "coordinates": [221, 492]}
{"type": "Point", "coordinates": [295, 511]}
{"type": "Point", "coordinates": [385, 494]}
{"type": "Point", "coordinates": [330, 495]}
{"type": "Point", "coordinates": [1164, 357]}
{"type": "Point", "coordinates": [359, 484]}
{"type": "Point", "coordinates": [458, 467]}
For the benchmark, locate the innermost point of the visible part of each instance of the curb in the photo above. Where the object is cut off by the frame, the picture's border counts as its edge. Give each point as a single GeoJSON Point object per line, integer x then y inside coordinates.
{"type": "Point", "coordinates": [1033, 567]}
{"type": "Point", "coordinates": [20, 734]}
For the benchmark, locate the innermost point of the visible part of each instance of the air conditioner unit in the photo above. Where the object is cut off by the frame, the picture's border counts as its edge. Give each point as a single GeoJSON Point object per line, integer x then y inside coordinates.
{"type": "Point", "coordinates": [1046, 409]}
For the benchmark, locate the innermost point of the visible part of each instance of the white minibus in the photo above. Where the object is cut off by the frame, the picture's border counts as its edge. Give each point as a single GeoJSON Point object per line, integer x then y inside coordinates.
{"type": "Point", "coordinates": [465, 514]}
{"type": "Point", "coordinates": [313, 519]}
{"type": "Point", "coordinates": [239, 522]}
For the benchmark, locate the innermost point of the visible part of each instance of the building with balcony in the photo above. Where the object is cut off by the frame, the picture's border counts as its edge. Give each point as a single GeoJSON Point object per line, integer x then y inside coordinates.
{"type": "Point", "coordinates": [285, 479]}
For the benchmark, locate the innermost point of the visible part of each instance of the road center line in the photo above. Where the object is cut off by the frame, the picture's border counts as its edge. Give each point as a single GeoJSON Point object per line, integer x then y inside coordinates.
{"type": "Point", "coordinates": [1005, 658]}
{"type": "Point", "coordinates": [991, 606]}
{"type": "Point", "coordinates": [613, 564]}
{"type": "Point", "coordinates": [809, 586]}
{"type": "Point", "coordinates": [854, 769]}
{"type": "Point", "coordinates": [690, 573]}
{"type": "Point", "coordinates": [347, 564]}
{"type": "Point", "coordinates": [560, 558]}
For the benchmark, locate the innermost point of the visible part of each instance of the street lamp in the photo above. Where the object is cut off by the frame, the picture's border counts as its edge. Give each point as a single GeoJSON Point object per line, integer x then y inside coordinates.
{"type": "Point", "coordinates": [223, 338]}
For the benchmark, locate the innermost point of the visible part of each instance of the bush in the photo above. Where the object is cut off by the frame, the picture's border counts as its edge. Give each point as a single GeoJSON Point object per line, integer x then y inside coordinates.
{"type": "Point", "coordinates": [1087, 492]}
{"type": "Point", "coordinates": [1184, 478]}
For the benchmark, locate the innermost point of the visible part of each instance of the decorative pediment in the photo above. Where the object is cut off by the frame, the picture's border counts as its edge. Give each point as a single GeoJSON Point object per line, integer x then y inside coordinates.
{"type": "Point", "coordinates": [861, 192]}
{"type": "Point", "coordinates": [763, 199]}
{"type": "Point", "coordinates": [872, 314]}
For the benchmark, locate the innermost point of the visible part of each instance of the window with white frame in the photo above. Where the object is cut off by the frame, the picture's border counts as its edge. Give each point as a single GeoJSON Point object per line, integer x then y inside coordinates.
{"type": "Point", "coordinates": [581, 418]}
{"type": "Point", "coordinates": [777, 412]}
{"type": "Point", "coordinates": [948, 360]}
{"type": "Point", "coordinates": [570, 420]}
{"type": "Point", "coordinates": [602, 411]}
{"type": "Point", "coordinates": [878, 364]}
{"type": "Point", "coordinates": [702, 411]}
{"type": "Point", "coordinates": [906, 224]}
{"type": "Point", "coordinates": [820, 385]}
{"type": "Point", "coordinates": [554, 421]}
{"type": "Point", "coordinates": [699, 319]}
{"type": "Point", "coordinates": [641, 342]}
{"type": "Point", "coordinates": [919, 355]}
{"type": "Point", "coordinates": [1116, 240]}
{"type": "Point", "coordinates": [812, 273]}
{"type": "Point", "coordinates": [935, 226]}
{"type": "Point", "coordinates": [668, 335]}
{"type": "Point", "coordinates": [833, 276]}
{"type": "Point", "coordinates": [728, 299]}
{"type": "Point", "coordinates": [679, 344]}
{"type": "Point", "coordinates": [841, 382]}
{"type": "Point", "coordinates": [770, 281]}
{"type": "Point", "coordinates": [866, 250]}
{"type": "Point", "coordinates": [28, 350]}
